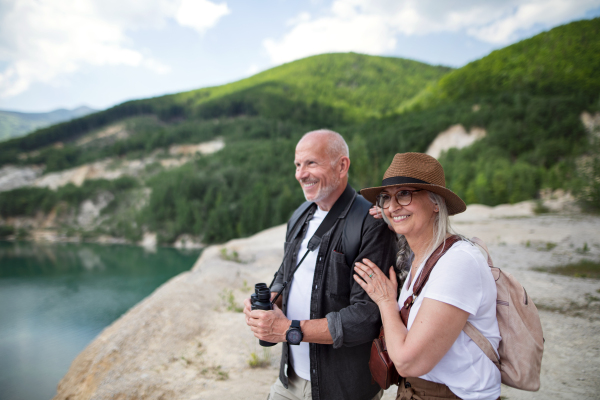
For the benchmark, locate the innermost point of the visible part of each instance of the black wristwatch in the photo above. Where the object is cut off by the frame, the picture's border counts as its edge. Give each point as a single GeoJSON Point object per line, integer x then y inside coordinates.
{"type": "Point", "coordinates": [294, 333]}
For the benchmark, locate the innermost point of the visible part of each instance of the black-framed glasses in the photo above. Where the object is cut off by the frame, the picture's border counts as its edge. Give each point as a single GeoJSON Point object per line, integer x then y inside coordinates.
{"type": "Point", "coordinates": [403, 198]}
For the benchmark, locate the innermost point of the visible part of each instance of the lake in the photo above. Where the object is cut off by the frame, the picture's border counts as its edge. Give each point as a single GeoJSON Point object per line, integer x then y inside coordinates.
{"type": "Point", "coordinates": [55, 298]}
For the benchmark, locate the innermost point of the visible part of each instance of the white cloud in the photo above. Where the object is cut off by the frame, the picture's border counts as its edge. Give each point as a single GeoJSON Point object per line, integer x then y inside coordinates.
{"type": "Point", "coordinates": [44, 40]}
{"type": "Point", "coordinates": [371, 26]}
{"type": "Point", "coordinates": [201, 14]}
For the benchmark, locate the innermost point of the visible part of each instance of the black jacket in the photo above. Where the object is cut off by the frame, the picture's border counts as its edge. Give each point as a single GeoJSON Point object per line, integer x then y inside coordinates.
{"type": "Point", "coordinates": [340, 371]}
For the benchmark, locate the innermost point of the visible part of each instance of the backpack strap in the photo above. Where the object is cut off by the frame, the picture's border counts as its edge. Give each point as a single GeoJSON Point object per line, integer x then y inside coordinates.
{"type": "Point", "coordinates": [424, 275]}
{"type": "Point", "coordinates": [293, 224]}
{"type": "Point", "coordinates": [482, 244]}
{"type": "Point", "coordinates": [482, 342]}
{"type": "Point", "coordinates": [355, 220]}
{"type": "Point", "coordinates": [293, 228]}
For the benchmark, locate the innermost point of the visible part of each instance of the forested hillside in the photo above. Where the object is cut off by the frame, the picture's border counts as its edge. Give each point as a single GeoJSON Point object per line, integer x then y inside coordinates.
{"type": "Point", "coordinates": [528, 97]}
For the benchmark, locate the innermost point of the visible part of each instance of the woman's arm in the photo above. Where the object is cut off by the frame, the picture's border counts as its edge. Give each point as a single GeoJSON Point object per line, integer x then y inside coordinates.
{"type": "Point", "coordinates": [434, 330]}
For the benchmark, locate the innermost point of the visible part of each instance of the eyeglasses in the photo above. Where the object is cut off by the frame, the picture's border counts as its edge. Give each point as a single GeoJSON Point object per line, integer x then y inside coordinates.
{"type": "Point", "coordinates": [403, 198]}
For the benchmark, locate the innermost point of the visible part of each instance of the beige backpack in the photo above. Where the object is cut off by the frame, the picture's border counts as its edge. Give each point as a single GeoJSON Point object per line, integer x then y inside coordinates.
{"type": "Point", "coordinates": [522, 343]}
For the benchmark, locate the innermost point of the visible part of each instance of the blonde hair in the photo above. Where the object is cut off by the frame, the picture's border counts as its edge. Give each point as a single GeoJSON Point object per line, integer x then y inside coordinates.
{"type": "Point", "coordinates": [441, 228]}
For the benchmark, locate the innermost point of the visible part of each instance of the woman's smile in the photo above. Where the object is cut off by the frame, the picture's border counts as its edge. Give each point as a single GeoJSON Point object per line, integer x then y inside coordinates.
{"type": "Point", "coordinates": [400, 218]}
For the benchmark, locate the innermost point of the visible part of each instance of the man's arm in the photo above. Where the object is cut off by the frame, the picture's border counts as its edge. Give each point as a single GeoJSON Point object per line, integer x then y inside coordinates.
{"type": "Point", "coordinates": [360, 321]}
{"type": "Point", "coordinates": [272, 326]}
{"type": "Point", "coordinates": [356, 324]}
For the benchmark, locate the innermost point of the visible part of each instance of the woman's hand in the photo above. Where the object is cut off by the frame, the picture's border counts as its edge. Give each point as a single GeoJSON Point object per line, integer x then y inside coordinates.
{"type": "Point", "coordinates": [379, 288]}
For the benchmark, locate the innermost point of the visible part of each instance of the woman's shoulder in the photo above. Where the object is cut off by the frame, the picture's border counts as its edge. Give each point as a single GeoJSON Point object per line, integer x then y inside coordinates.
{"type": "Point", "coordinates": [460, 278]}
{"type": "Point", "coordinates": [464, 255]}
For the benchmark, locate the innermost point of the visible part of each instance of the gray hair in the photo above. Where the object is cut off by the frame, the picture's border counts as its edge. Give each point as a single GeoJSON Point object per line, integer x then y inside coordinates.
{"type": "Point", "coordinates": [336, 145]}
{"type": "Point", "coordinates": [441, 228]}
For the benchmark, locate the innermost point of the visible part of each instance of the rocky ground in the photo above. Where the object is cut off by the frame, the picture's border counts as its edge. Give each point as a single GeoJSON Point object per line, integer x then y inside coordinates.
{"type": "Point", "coordinates": [188, 340]}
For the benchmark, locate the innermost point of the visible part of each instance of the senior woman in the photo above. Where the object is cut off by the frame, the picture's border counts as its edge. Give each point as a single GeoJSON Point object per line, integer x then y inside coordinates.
{"type": "Point", "coordinates": [430, 351]}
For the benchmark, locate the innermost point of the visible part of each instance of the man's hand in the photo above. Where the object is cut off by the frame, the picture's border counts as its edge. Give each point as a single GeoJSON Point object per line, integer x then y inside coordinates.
{"type": "Point", "coordinates": [248, 304]}
{"type": "Point", "coordinates": [270, 326]}
{"type": "Point", "coordinates": [375, 212]}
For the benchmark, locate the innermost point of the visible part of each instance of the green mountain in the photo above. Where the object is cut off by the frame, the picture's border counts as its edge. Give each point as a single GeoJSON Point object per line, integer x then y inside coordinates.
{"type": "Point", "coordinates": [562, 61]}
{"type": "Point", "coordinates": [361, 86]}
{"type": "Point", "coordinates": [329, 88]}
{"type": "Point", "coordinates": [528, 97]}
{"type": "Point", "coordinates": [15, 124]}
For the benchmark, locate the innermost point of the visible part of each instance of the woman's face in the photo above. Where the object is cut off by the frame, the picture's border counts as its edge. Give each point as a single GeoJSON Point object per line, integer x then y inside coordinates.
{"type": "Point", "coordinates": [414, 220]}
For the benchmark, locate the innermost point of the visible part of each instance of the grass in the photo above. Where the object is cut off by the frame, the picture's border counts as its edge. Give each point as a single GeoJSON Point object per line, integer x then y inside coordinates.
{"type": "Point", "coordinates": [588, 309]}
{"type": "Point", "coordinates": [227, 256]}
{"type": "Point", "coordinates": [262, 361]}
{"type": "Point", "coordinates": [215, 372]}
{"type": "Point", "coordinates": [245, 288]}
{"type": "Point", "coordinates": [229, 299]}
{"type": "Point", "coordinates": [583, 249]}
{"type": "Point", "coordinates": [582, 269]}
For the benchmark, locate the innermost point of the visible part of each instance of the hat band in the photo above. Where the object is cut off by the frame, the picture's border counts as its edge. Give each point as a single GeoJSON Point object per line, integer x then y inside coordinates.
{"type": "Point", "coordinates": [400, 180]}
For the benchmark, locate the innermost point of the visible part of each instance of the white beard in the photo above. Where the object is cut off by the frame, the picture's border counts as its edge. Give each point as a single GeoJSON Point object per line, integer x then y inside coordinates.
{"type": "Point", "coordinates": [325, 191]}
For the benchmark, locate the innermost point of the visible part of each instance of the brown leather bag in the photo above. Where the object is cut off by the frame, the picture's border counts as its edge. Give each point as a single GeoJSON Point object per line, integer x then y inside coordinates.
{"type": "Point", "coordinates": [382, 368]}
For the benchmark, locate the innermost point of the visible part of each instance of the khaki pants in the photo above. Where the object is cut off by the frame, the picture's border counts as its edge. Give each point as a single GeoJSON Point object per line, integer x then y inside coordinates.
{"type": "Point", "coordinates": [298, 389]}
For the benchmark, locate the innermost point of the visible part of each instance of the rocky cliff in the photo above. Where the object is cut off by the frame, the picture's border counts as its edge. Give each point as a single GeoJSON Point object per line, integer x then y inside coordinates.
{"type": "Point", "coordinates": [188, 340]}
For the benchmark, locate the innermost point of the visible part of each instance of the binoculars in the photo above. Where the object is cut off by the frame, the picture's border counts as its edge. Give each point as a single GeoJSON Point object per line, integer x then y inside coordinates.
{"type": "Point", "coordinates": [261, 300]}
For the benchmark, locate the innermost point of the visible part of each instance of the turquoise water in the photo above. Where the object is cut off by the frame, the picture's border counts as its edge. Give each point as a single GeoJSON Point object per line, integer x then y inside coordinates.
{"type": "Point", "coordinates": [55, 298]}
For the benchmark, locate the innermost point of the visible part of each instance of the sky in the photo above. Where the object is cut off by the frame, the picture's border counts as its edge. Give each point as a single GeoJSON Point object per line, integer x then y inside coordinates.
{"type": "Point", "coordinates": [99, 53]}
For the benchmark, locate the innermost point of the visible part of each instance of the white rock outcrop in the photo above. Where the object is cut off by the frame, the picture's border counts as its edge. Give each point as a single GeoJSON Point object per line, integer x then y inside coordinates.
{"type": "Point", "coordinates": [187, 341]}
{"type": "Point", "coordinates": [591, 122]}
{"type": "Point", "coordinates": [454, 137]}
{"type": "Point", "coordinates": [12, 177]}
{"type": "Point", "coordinates": [90, 209]}
{"type": "Point", "coordinates": [202, 148]}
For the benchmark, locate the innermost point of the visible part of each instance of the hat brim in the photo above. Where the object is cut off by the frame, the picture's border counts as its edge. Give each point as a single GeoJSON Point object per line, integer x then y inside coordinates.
{"type": "Point", "coordinates": [454, 203]}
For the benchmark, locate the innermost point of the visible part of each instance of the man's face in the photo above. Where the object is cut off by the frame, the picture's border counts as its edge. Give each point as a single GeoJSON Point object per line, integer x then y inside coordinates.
{"type": "Point", "coordinates": [314, 171]}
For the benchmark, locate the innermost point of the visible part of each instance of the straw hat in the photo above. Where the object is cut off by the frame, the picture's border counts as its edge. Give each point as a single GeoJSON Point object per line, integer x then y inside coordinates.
{"type": "Point", "coordinates": [420, 171]}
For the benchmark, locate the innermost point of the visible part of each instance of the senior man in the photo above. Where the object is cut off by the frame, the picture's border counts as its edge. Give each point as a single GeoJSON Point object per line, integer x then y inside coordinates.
{"type": "Point", "coordinates": [326, 321]}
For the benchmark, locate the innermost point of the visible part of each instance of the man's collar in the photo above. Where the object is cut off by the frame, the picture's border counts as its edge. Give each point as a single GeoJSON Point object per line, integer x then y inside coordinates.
{"type": "Point", "coordinates": [347, 198]}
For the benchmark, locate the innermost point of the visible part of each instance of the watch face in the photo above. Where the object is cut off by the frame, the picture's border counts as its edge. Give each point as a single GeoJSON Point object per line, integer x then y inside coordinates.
{"type": "Point", "coordinates": [294, 336]}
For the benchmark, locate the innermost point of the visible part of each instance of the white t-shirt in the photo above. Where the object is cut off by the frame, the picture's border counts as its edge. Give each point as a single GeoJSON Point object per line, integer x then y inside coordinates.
{"type": "Point", "coordinates": [463, 279]}
{"type": "Point", "coordinates": [300, 293]}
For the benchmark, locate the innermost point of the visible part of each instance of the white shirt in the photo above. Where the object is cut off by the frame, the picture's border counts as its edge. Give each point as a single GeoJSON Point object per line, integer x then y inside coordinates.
{"type": "Point", "coordinates": [300, 293]}
{"type": "Point", "coordinates": [463, 279]}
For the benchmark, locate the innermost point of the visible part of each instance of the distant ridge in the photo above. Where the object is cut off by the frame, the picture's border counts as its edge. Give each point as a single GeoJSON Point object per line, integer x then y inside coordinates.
{"type": "Point", "coordinates": [14, 123]}
{"type": "Point", "coordinates": [563, 61]}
